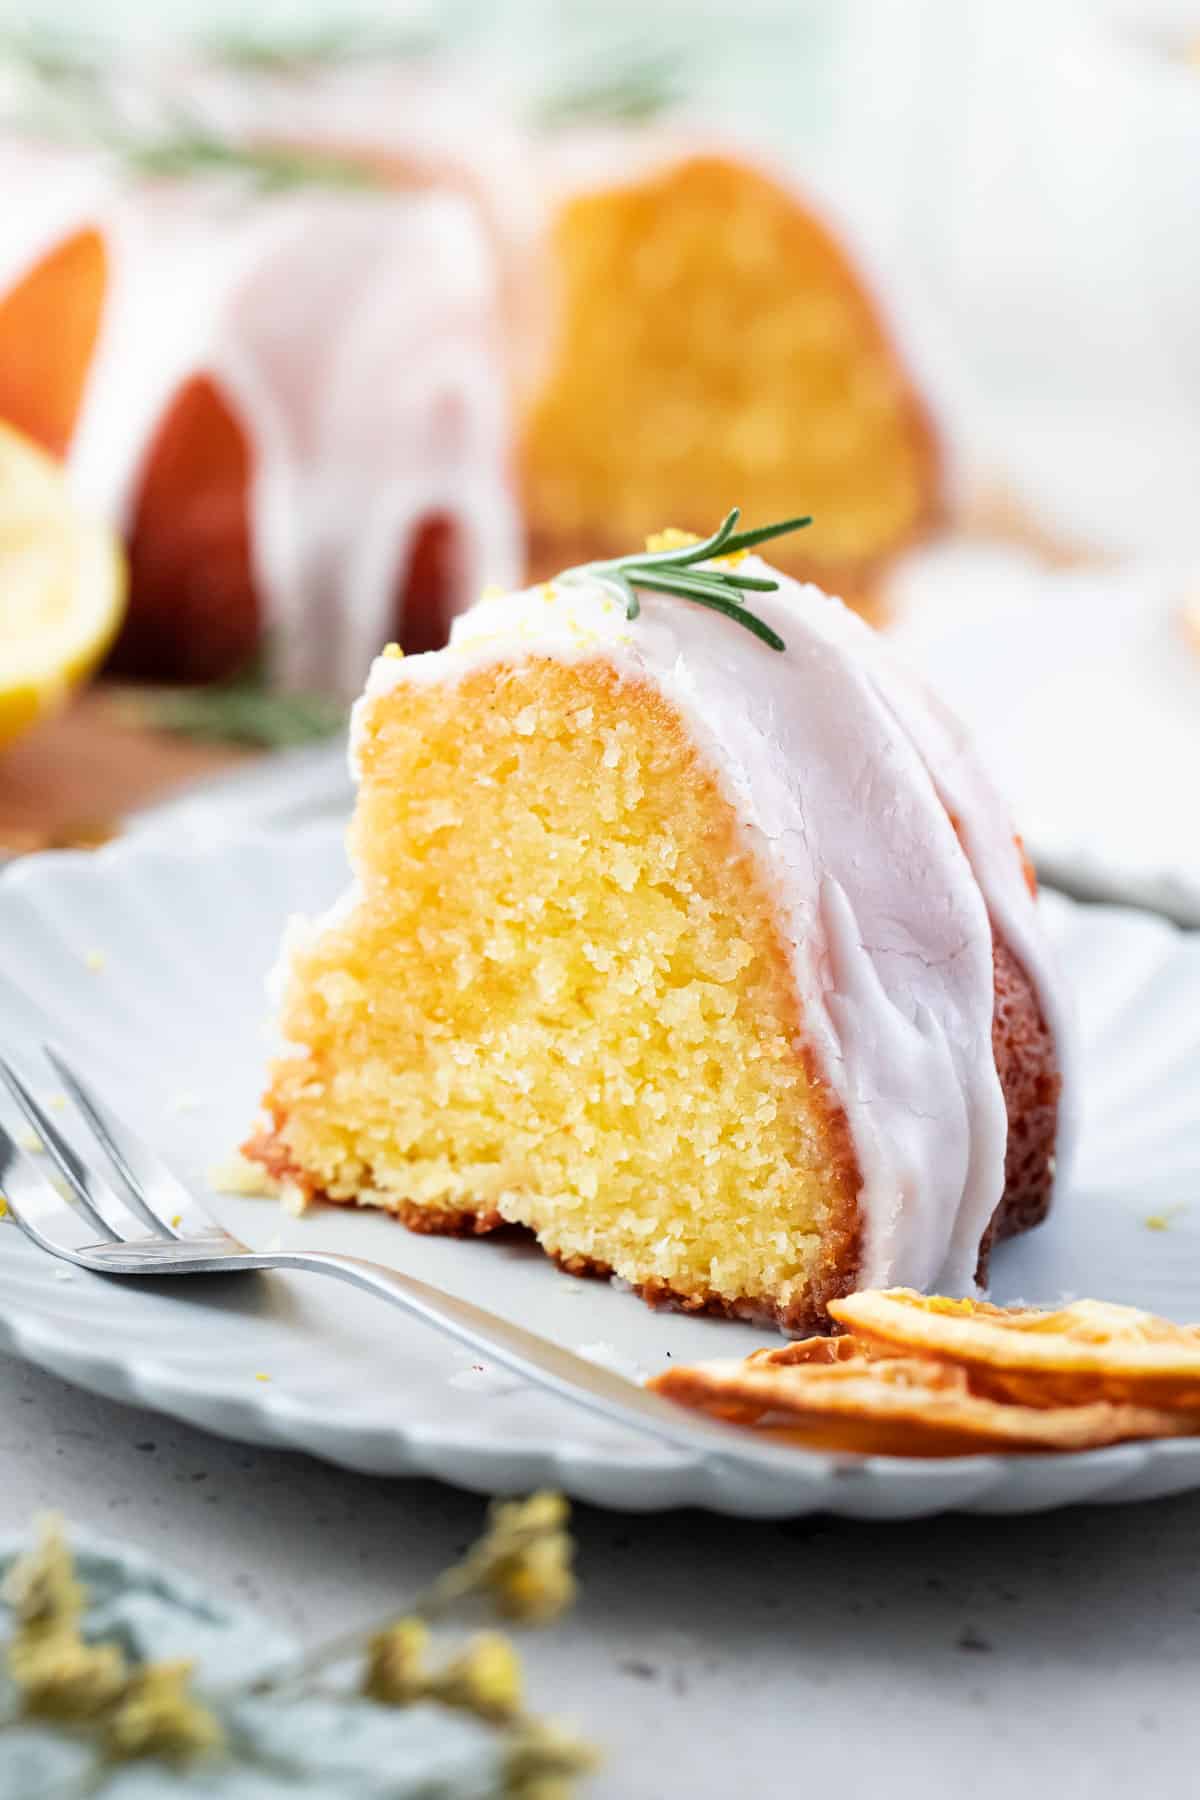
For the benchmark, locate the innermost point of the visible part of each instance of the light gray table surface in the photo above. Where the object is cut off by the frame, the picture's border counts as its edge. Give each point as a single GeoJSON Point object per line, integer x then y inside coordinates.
{"type": "Point", "coordinates": [1057, 1655]}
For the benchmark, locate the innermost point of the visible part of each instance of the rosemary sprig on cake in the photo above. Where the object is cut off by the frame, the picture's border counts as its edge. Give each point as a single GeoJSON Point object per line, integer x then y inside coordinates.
{"type": "Point", "coordinates": [679, 571]}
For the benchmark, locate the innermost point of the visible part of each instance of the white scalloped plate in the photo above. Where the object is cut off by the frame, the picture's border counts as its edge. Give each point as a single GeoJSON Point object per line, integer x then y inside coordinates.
{"type": "Point", "coordinates": [169, 1019]}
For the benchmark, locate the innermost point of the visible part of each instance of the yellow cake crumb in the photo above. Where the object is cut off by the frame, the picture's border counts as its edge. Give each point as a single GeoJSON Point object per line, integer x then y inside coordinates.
{"type": "Point", "coordinates": [562, 1000]}
{"type": "Point", "coordinates": [3, 1207]}
{"type": "Point", "coordinates": [393, 652]}
{"type": "Point", "coordinates": [29, 1140]}
{"type": "Point", "coordinates": [293, 1199]}
{"type": "Point", "coordinates": [95, 960]}
{"type": "Point", "coordinates": [236, 1174]}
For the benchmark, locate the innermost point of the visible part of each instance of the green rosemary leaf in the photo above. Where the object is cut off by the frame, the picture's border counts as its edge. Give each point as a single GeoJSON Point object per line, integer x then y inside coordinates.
{"type": "Point", "coordinates": [678, 571]}
{"type": "Point", "coordinates": [732, 610]}
{"type": "Point", "coordinates": [762, 534]}
{"type": "Point", "coordinates": [237, 712]}
{"type": "Point", "coordinates": [753, 584]}
{"type": "Point", "coordinates": [193, 151]}
{"type": "Point", "coordinates": [699, 552]}
{"type": "Point", "coordinates": [325, 46]}
{"type": "Point", "coordinates": [65, 93]}
{"type": "Point", "coordinates": [619, 587]}
{"type": "Point", "coordinates": [631, 87]}
{"type": "Point", "coordinates": [677, 581]}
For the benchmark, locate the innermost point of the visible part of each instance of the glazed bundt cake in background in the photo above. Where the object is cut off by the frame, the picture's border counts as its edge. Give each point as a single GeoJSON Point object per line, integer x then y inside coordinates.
{"type": "Point", "coordinates": [683, 322]}
{"type": "Point", "coordinates": [694, 941]}
{"type": "Point", "coordinates": [292, 403]}
{"type": "Point", "coordinates": [500, 349]}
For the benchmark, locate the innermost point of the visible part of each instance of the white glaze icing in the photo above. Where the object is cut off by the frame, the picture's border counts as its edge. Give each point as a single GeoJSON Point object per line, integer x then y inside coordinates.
{"type": "Point", "coordinates": [355, 337]}
{"type": "Point", "coordinates": [841, 772]}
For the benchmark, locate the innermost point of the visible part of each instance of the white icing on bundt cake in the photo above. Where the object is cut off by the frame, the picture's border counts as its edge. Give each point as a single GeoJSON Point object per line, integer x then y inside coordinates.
{"type": "Point", "coordinates": [285, 391]}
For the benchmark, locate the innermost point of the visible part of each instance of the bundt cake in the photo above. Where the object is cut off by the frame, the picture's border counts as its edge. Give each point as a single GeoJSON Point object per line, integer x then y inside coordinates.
{"type": "Point", "coordinates": [682, 322]}
{"type": "Point", "coordinates": [687, 933]}
{"type": "Point", "coordinates": [428, 346]}
{"type": "Point", "coordinates": [291, 402]}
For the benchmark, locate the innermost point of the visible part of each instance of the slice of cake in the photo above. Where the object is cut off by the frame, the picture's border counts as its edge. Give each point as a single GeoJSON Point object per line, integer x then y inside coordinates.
{"type": "Point", "coordinates": [695, 941]}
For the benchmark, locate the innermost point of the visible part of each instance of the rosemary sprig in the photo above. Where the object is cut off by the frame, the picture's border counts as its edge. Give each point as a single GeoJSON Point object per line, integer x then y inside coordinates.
{"type": "Point", "coordinates": [678, 571]}
{"type": "Point", "coordinates": [323, 46]}
{"type": "Point", "coordinates": [628, 87]}
{"type": "Point", "coordinates": [241, 710]}
{"type": "Point", "coordinates": [65, 92]}
{"type": "Point", "coordinates": [190, 149]}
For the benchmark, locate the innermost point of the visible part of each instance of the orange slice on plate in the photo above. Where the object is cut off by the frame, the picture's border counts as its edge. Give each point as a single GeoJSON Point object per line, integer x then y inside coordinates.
{"type": "Point", "coordinates": [1091, 1350]}
{"type": "Point", "coordinates": [832, 1394]}
{"type": "Point", "coordinates": [62, 586]}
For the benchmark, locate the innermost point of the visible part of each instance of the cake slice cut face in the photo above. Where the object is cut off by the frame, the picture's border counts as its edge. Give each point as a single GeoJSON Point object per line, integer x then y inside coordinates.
{"type": "Point", "coordinates": [681, 953]}
{"type": "Point", "coordinates": [561, 999]}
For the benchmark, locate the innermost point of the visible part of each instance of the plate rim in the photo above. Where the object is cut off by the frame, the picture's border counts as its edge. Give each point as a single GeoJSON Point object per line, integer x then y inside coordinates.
{"type": "Point", "coordinates": [272, 1416]}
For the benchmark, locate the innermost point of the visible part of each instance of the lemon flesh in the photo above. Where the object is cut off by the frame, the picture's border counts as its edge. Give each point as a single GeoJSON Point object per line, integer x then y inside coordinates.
{"type": "Point", "coordinates": [62, 587]}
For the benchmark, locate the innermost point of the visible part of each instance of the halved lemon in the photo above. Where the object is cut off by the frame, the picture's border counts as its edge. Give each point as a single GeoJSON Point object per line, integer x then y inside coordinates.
{"type": "Point", "coordinates": [62, 586]}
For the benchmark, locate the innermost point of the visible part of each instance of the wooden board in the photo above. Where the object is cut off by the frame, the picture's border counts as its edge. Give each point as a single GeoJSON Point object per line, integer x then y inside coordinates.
{"type": "Point", "coordinates": [76, 777]}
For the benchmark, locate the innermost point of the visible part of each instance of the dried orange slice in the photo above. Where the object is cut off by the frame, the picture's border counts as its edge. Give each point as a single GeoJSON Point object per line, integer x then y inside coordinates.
{"type": "Point", "coordinates": [1091, 1350]}
{"type": "Point", "coordinates": [831, 1394]}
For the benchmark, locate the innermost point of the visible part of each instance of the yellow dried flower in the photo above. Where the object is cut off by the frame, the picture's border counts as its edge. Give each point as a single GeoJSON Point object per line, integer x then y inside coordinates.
{"type": "Point", "coordinates": [61, 1677]}
{"type": "Point", "coordinates": [536, 1585]}
{"type": "Point", "coordinates": [543, 1762]}
{"type": "Point", "coordinates": [527, 1554]}
{"type": "Point", "coordinates": [159, 1716]}
{"type": "Point", "coordinates": [485, 1678]}
{"type": "Point", "coordinates": [41, 1587]}
{"type": "Point", "coordinates": [395, 1672]}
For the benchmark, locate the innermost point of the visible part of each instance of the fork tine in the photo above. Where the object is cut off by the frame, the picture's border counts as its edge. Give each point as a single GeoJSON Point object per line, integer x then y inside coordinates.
{"type": "Point", "coordinates": [150, 1183]}
{"type": "Point", "coordinates": [107, 1214]}
{"type": "Point", "coordinates": [38, 1208]}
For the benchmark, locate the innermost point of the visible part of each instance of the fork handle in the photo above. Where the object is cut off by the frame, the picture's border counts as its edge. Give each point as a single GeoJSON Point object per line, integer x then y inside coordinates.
{"type": "Point", "coordinates": [612, 1396]}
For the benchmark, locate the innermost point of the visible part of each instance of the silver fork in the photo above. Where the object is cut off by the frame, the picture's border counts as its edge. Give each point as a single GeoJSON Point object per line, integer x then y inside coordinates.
{"type": "Point", "coordinates": [159, 1228]}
